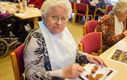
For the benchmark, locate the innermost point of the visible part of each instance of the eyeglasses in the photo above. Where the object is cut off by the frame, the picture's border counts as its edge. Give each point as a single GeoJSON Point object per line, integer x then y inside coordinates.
{"type": "Point", "coordinates": [57, 18]}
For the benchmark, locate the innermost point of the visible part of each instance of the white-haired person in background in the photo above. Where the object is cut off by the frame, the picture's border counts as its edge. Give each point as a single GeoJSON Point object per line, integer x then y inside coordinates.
{"type": "Point", "coordinates": [50, 51]}
{"type": "Point", "coordinates": [112, 25]}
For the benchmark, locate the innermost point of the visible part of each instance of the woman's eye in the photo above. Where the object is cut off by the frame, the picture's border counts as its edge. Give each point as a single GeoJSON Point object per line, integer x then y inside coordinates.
{"type": "Point", "coordinates": [55, 17]}
{"type": "Point", "coordinates": [63, 18]}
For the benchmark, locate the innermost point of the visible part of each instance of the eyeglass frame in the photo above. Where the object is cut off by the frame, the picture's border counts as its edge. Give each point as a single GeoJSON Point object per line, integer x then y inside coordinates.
{"type": "Point", "coordinates": [57, 18]}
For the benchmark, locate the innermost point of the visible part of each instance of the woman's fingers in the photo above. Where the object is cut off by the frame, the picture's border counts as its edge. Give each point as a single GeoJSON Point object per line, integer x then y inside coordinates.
{"type": "Point", "coordinates": [80, 68]}
{"type": "Point", "coordinates": [96, 60]}
{"type": "Point", "coordinates": [77, 68]}
{"type": "Point", "coordinates": [100, 61]}
{"type": "Point", "coordinates": [73, 71]}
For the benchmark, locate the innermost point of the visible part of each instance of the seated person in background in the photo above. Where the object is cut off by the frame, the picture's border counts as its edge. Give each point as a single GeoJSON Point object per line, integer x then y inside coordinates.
{"type": "Point", "coordinates": [101, 4]}
{"type": "Point", "coordinates": [101, 8]}
{"type": "Point", "coordinates": [112, 26]}
{"type": "Point", "coordinates": [91, 7]}
{"type": "Point", "coordinates": [50, 51]}
{"type": "Point", "coordinates": [36, 3]}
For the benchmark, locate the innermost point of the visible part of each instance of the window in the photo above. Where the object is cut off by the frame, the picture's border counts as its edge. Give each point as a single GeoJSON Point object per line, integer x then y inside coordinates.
{"type": "Point", "coordinates": [112, 1]}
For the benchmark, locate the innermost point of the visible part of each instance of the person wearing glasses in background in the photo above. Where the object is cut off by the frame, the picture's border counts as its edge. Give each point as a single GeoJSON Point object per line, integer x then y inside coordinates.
{"type": "Point", "coordinates": [112, 25]}
{"type": "Point", "coordinates": [50, 51]}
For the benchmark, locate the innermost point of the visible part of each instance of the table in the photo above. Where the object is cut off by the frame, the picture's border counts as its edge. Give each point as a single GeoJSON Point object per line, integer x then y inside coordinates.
{"type": "Point", "coordinates": [121, 68]}
{"type": "Point", "coordinates": [33, 13]}
{"type": "Point", "coordinates": [28, 13]}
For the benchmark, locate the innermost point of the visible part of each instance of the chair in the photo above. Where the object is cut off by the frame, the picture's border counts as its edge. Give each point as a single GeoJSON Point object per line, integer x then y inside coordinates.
{"type": "Point", "coordinates": [80, 9]}
{"type": "Point", "coordinates": [17, 62]}
{"type": "Point", "coordinates": [106, 11]}
{"type": "Point", "coordinates": [91, 42]}
{"type": "Point", "coordinates": [72, 5]}
{"type": "Point", "coordinates": [101, 10]}
{"type": "Point", "coordinates": [89, 26]}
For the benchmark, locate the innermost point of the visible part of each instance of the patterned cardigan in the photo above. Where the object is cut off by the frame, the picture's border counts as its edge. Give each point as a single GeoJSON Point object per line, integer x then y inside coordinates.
{"type": "Point", "coordinates": [106, 25]}
{"type": "Point", "coordinates": [37, 62]}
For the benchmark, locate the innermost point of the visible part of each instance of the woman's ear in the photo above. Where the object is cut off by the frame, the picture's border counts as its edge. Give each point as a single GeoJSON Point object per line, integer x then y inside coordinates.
{"type": "Point", "coordinates": [117, 13]}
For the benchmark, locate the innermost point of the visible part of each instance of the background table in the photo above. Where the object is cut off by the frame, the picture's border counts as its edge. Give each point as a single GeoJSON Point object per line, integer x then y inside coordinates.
{"type": "Point", "coordinates": [33, 13]}
{"type": "Point", "coordinates": [28, 13]}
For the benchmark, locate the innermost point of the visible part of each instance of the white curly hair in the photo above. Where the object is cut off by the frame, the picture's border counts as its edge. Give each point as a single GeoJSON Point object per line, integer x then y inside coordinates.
{"type": "Point", "coordinates": [120, 6]}
{"type": "Point", "coordinates": [48, 4]}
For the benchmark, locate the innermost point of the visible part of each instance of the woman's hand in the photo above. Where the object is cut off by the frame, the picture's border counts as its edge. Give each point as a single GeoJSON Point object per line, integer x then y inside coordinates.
{"type": "Point", "coordinates": [95, 59]}
{"type": "Point", "coordinates": [72, 71]}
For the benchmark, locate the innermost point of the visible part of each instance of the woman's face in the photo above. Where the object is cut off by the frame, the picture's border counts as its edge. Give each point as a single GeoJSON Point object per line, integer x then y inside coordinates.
{"type": "Point", "coordinates": [56, 19]}
{"type": "Point", "coordinates": [122, 15]}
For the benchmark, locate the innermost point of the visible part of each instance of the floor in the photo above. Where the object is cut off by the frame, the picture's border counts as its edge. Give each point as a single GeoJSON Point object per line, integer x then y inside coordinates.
{"type": "Point", "coordinates": [6, 72]}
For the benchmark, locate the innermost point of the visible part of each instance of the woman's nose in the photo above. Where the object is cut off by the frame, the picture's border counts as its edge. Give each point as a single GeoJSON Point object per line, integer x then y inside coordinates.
{"type": "Point", "coordinates": [59, 21]}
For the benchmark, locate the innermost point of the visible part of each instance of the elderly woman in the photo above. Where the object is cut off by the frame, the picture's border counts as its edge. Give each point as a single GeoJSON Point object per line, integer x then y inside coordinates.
{"type": "Point", "coordinates": [112, 25]}
{"type": "Point", "coordinates": [50, 51]}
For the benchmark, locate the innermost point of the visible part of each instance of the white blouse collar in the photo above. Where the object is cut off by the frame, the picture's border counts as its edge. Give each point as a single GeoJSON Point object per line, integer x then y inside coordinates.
{"type": "Point", "coordinates": [119, 27]}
